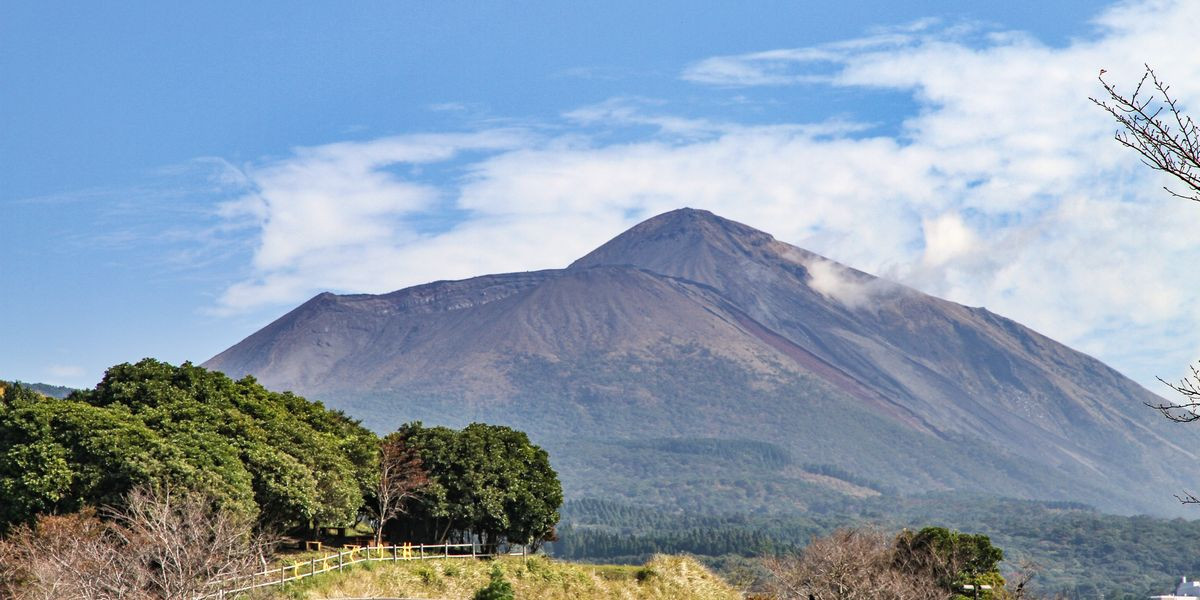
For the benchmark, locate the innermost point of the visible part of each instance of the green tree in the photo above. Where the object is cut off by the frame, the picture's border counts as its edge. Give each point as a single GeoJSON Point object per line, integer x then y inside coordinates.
{"type": "Point", "coordinates": [496, 589]}
{"type": "Point", "coordinates": [949, 558]}
{"type": "Point", "coordinates": [34, 471]}
{"type": "Point", "coordinates": [278, 458]}
{"type": "Point", "coordinates": [487, 482]}
{"type": "Point", "coordinates": [58, 455]}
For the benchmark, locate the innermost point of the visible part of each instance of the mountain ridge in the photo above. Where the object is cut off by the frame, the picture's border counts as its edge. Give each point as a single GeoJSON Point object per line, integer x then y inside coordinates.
{"type": "Point", "coordinates": [759, 338]}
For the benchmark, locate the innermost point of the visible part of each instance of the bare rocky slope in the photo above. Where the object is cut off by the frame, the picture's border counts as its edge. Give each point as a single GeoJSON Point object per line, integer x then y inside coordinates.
{"type": "Point", "coordinates": [697, 362]}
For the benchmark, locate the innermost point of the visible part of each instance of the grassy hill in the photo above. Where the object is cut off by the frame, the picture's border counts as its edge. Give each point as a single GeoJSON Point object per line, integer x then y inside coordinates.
{"type": "Point", "coordinates": [661, 578]}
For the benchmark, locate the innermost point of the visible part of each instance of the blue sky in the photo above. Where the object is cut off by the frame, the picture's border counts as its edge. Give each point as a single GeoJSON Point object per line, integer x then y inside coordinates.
{"type": "Point", "coordinates": [172, 177]}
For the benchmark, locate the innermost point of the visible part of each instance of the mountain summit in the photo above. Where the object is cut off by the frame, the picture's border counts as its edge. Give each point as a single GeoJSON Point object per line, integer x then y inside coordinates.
{"type": "Point", "coordinates": [692, 349]}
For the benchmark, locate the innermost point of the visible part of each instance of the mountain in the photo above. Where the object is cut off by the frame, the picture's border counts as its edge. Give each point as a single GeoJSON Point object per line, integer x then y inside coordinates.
{"type": "Point", "coordinates": [46, 389]}
{"type": "Point", "coordinates": [696, 362]}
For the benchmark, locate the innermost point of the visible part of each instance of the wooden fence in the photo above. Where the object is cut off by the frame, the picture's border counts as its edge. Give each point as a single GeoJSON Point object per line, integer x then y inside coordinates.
{"type": "Point", "coordinates": [350, 555]}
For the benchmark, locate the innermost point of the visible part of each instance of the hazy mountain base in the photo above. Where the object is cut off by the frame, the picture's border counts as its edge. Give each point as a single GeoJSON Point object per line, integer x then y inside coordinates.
{"type": "Point", "coordinates": [685, 392]}
{"type": "Point", "coordinates": [711, 486]}
{"type": "Point", "coordinates": [46, 389]}
{"type": "Point", "coordinates": [1078, 551]}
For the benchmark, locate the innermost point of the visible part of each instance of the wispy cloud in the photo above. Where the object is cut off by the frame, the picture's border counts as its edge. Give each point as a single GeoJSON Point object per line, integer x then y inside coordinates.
{"type": "Point", "coordinates": [815, 64]}
{"type": "Point", "coordinates": [336, 216]}
{"type": "Point", "coordinates": [65, 374]}
{"type": "Point", "coordinates": [1004, 188]}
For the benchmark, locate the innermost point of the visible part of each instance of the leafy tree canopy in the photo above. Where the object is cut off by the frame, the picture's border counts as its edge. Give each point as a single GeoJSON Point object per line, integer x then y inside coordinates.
{"type": "Point", "coordinates": [950, 558]}
{"type": "Point", "coordinates": [486, 481]}
{"type": "Point", "coordinates": [277, 457]}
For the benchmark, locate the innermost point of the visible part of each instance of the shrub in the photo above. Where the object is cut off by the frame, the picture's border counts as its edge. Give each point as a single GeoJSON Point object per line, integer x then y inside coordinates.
{"type": "Point", "coordinates": [427, 574]}
{"type": "Point", "coordinates": [644, 574]}
{"type": "Point", "coordinates": [497, 588]}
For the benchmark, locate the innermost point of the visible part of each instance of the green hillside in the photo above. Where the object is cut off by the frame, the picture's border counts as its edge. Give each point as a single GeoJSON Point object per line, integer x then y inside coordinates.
{"type": "Point", "coordinates": [46, 389]}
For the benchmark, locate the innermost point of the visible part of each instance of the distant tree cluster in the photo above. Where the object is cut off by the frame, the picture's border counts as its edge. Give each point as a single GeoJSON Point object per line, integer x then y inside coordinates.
{"type": "Point", "coordinates": [583, 543]}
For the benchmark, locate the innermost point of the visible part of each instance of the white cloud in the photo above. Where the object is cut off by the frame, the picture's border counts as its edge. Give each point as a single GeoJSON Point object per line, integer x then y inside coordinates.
{"type": "Point", "coordinates": [1004, 189]}
{"type": "Point", "coordinates": [789, 66]}
{"type": "Point", "coordinates": [946, 238]}
{"type": "Point", "coordinates": [336, 216]}
{"type": "Point", "coordinates": [70, 373]}
{"type": "Point", "coordinates": [836, 282]}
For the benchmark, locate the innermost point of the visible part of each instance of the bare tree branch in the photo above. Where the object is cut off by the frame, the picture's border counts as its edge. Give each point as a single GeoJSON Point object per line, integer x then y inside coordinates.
{"type": "Point", "coordinates": [159, 546]}
{"type": "Point", "coordinates": [1152, 124]}
{"type": "Point", "coordinates": [401, 477]}
{"type": "Point", "coordinates": [184, 543]}
{"type": "Point", "coordinates": [849, 564]}
{"type": "Point", "coordinates": [1188, 410]}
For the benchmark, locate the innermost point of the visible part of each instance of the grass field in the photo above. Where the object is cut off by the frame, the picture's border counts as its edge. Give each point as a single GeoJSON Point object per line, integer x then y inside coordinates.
{"type": "Point", "coordinates": [661, 578]}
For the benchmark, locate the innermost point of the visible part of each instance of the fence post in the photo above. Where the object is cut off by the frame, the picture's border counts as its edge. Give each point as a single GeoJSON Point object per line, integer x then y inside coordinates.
{"type": "Point", "coordinates": [282, 575]}
{"type": "Point", "coordinates": [393, 552]}
{"type": "Point", "coordinates": [422, 552]}
{"type": "Point", "coordinates": [341, 565]}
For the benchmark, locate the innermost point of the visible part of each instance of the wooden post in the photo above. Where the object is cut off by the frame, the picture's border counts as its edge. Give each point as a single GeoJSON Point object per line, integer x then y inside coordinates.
{"type": "Point", "coordinates": [312, 567]}
{"type": "Point", "coordinates": [422, 551]}
{"type": "Point", "coordinates": [341, 565]}
{"type": "Point", "coordinates": [393, 553]}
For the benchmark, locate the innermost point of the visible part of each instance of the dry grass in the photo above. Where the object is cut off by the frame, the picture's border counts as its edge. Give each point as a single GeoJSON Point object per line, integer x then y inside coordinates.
{"type": "Point", "coordinates": [662, 578]}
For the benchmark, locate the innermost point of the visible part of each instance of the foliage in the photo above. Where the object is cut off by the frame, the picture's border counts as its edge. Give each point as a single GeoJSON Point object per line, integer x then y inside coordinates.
{"type": "Point", "coordinates": [496, 589]}
{"type": "Point", "coordinates": [486, 482]}
{"type": "Point", "coordinates": [275, 457]}
{"type": "Point", "coordinates": [948, 558]}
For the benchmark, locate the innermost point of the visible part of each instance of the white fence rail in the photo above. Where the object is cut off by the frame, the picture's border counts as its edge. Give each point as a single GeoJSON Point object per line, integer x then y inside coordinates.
{"type": "Point", "coordinates": [344, 558]}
